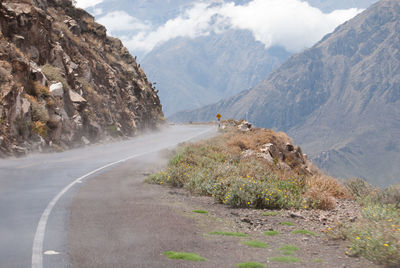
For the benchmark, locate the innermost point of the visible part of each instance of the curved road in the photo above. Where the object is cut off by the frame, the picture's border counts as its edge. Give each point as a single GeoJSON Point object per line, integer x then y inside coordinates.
{"type": "Point", "coordinates": [36, 191]}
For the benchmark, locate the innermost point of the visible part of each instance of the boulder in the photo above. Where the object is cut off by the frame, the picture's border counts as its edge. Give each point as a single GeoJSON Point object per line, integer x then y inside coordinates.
{"type": "Point", "coordinates": [25, 106]}
{"type": "Point", "coordinates": [267, 157]}
{"type": "Point", "coordinates": [85, 140]}
{"type": "Point", "coordinates": [57, 90]}
{"type": "Point", "coordinates": [75, 97]}
{"type": "Point", "coordinates": [245, 126]}
{"type": "Point", "coordinates": [289, 147]}
{"type": "Point", "coordinates": [266, 147]}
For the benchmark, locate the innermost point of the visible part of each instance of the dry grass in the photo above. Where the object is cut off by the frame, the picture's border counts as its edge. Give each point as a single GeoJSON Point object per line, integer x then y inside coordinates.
{"type": "Point", "coordinates": [328, 185]}
{"type": "Point", "coordinates": [40, 128]}
{"type": "Point", "coordinates": [40, 90]}
{"type": "Point", "coordinates": [256, 138]}
{"type": "Point", "coordinates": [317, 198]}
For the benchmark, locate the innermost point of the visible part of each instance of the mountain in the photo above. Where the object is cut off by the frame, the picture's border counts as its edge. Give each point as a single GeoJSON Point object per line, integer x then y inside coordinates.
{"type": "Point", "coordinates": [188, 72]}
{"type": "Point", "coordinates": [339, 99]}
{"type": "Point", "coordinates": [64, 82]}
{"type": "Point", "coordinates": [195, 72]}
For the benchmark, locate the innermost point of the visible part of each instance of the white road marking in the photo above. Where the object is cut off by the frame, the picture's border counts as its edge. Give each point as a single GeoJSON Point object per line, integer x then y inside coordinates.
{"type": "Point", "coordinates": [51, 252]}
{"type": "Point", "coordinates": [37, 249]}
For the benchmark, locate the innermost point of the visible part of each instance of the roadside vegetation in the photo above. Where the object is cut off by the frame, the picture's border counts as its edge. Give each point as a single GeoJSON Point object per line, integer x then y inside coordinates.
{"type": "Point", "coordinates": [221, 169]}
{"type": "Point", "coordinates": [235, 169]}
{"type": "Point", "coordinates": [376, 236]}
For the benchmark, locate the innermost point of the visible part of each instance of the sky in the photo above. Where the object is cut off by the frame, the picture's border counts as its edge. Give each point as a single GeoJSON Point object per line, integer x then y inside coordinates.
{"type": "Point", "coordinates": [292, 24]}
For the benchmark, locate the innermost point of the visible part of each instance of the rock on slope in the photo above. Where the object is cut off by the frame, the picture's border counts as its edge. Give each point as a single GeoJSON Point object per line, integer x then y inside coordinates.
{"type": "Point", "coordinates": [340, 99]}
{"type": "Point", "coordinates": [64, 82]}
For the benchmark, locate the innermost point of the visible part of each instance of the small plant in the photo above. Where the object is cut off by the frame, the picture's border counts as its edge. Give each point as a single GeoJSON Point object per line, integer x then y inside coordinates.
{"type": "Point", "coordinates": [40, 128]}
{"type": "Point", "coordinates": [287, 259]}
{"type": "Point", "coordinates": [40, 90]}
{"type": "Point", "coordinates": [229, 234]}
{"type": "Point", "coordinates": [188, 256]}
{"type": "Point", "coordinates": [271, 233]}
{"type": "Point", "coordinates": [287, 223]}
{"type": "Point", "coordinates": [39, 112]}
{"type": "Point", "coordinates": [270, 213]}
{"type": "Point", "coordinates": [255, 244]}
{"type": "Point", "coordinates": [304, 232]}
{"type": "Point", "coordinates": [250, 265]}
{"type": "Point", "coordinates": [113, 130]}
{"type": "Point", "coordinates": [200, 211]}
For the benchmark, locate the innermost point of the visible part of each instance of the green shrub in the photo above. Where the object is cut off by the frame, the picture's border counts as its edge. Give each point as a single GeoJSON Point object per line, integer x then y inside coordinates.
{"type": "Point", "coordinates": [389, 196]}
{"type": "Point", "coordinates": [204, 169]}
{"type": "Point", "coordinates": [55, 74]}
{"type": "Point", "coordinates": [376, 235]}
{"type": "Point", "coordinates": [39, 112]}
{"type": "Point", "coordinates": [359, 188]}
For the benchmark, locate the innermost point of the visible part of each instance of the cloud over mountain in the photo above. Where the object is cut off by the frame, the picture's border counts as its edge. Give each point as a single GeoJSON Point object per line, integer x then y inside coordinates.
{"type": "Point", "coordinates": [293, 24]}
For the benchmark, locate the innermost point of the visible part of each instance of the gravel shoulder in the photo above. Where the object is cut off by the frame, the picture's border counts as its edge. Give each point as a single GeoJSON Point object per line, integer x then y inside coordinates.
{"type": "Point", "coordinates": [119, 221]}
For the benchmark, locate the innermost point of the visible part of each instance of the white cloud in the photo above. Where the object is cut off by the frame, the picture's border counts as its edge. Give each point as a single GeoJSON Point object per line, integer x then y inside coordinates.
{"type": "Point", "coordinates": [122, 21]}
{"type": "Point", "coordinates": [87, 3]}
{"type": "Point", "coordinates": [289, 23]}
{"type": "Point", "coordinates": [293, 24]}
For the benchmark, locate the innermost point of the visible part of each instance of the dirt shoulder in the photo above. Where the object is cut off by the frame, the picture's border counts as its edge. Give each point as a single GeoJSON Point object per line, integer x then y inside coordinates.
{"type": "Point", "coordinates": [119, 221]}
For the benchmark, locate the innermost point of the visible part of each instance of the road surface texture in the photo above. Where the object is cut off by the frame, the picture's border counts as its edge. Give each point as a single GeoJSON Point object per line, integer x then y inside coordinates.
{"type": "Point", "coordinates": [36, 193]}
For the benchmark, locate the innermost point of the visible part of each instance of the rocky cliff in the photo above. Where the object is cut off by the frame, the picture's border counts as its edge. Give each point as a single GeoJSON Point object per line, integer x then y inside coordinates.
{"type": "Point", "coordinates": [64, 82]}
{"type": "Point", "coordinates": [340, 100]}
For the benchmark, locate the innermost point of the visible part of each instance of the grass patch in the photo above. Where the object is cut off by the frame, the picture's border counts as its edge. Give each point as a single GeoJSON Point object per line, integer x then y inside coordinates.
{"type": "Point", "coordinates": [287, 259]}
{"type": "Point", "coordinates": [289, 250]}
{"type": "Point", "coordinates": [256, 244]}
{"type": "Point", "coordinates": [287, 223]}
{"type": "Point", "coordinates": [229, 234]}
{"type": "Point", "coordinates": [318, 260]}
{"type": "Point", "coordinates": [200, 211]}
{"type": "Point", "coordinates": [271, 233]}
{"type": "Point", "coordinates": [188, 256]}
{"type": "Point", "coordinates": [250, 265]}
{"type": "Point", "coordinates": [304, 232]}
{"type": "Point", "coordinates": [270, 213]}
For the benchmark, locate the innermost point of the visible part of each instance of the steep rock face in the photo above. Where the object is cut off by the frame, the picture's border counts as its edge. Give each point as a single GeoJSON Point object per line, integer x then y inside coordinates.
{"type": "Point", "coordinates": [340, 99]}
{"type": "Point", "coordinates": [64, 82]}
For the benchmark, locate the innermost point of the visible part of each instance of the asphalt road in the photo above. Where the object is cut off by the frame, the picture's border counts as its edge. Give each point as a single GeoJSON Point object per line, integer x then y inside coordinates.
{"type": "Point", "coordinates": [36, 192]}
